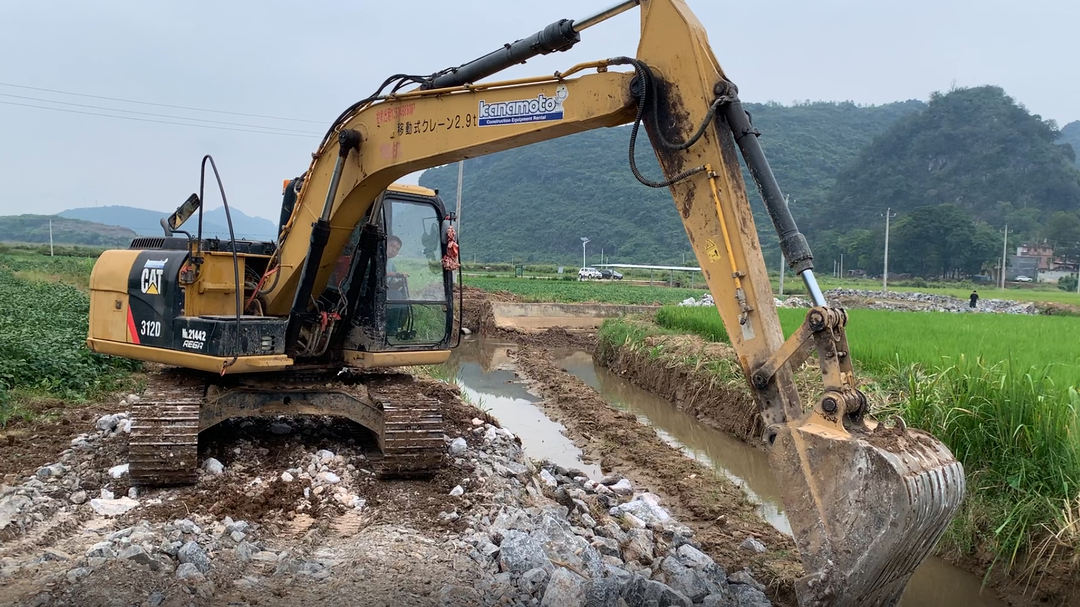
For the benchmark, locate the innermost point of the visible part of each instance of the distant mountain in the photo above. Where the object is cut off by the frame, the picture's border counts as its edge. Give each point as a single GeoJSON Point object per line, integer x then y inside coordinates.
{"type": "Point", "coordinates": [148, 223]}
{"type": "Point", "coordinates": [975, 148]}
{"type": "Point", "coordinates": [1070, 133]}
{"type": "Point", "coordinates": [35, 229]}
{"type": "Point", "coordinates": [535, 203]}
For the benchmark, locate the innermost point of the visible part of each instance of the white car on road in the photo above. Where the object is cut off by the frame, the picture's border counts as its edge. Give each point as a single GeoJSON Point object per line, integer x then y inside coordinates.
{"type": "Point", "coordinates": [588, 273]}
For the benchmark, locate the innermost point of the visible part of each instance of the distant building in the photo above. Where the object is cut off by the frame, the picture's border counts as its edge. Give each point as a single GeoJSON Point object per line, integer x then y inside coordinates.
{"type": "Point", "coordinates": [1043, 251]}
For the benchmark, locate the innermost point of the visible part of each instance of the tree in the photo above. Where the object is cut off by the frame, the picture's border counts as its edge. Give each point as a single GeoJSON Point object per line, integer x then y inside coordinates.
{"type": "Point", "coordinates": [940, 241]}
{"type": "Point", "coordinates": [1063, 233]}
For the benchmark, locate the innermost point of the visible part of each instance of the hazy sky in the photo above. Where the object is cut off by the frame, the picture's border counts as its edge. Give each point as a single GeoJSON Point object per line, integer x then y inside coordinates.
{"type": "Point", "coordinates": [308, 61]}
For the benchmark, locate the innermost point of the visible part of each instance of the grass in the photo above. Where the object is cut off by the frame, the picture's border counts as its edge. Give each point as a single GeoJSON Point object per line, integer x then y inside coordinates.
{"type": "Point", "coordinates": [999, 390]}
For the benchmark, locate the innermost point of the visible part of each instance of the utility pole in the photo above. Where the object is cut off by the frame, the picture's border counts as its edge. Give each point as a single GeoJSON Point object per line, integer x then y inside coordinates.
{"type": "Point", "coordinates": [885, 274]}
{"type": "Point", "coordinates": [841, 266]}
{"type": "Point", "coordinates": [782, 264]}
{"type": "Point", "coordinates": [601, 255]}
{"type": "Point", "coordinates": [50, 239]}
{"type": "Point", "coordinates": [584, 241]}
{"type": "Point", "coordinates": [1004, 250]}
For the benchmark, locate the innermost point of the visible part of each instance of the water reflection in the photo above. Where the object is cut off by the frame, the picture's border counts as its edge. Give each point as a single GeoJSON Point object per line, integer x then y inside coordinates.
{"type": "Point", "coordinates": [479, 366]}
{"type": "Point", "coordinates": [741, 464]}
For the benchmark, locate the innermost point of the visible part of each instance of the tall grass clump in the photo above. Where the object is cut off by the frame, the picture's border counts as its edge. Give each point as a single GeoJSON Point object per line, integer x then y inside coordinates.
{"type": "Point", "coordinates": [1017, 434]}
{"type": "Point", "coordinates": [704, 321]}
{"type": "Point", "coordinates": [999, 390]}
{"type": "Point", "coordinates": [614, 333]}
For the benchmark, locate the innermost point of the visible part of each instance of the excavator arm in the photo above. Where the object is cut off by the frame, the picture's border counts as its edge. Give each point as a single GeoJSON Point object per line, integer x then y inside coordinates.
{"type": "Point", "coordinates": [866, 503]}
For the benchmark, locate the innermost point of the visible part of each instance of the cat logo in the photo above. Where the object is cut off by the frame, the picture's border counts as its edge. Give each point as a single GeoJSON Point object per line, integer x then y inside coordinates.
{"type": "Point", "coordinates": [152, 272]}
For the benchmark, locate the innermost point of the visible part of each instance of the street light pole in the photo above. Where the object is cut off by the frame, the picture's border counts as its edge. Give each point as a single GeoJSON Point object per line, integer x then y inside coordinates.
{"type": "Point", "coordinates": [584, 241]}
{"type": "Point", "coordinates": [783, 263]}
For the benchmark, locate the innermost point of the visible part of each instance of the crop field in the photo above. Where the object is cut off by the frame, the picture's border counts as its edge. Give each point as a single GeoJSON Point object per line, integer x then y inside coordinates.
{"type": "Point", "coordinates": [43, 321]}
{"type": "Point", "coordinates": [999, 390]}
{"type": "Point", "coordinates": [882, 340]}
{"type": "Point", "coordinates": [572, 291]}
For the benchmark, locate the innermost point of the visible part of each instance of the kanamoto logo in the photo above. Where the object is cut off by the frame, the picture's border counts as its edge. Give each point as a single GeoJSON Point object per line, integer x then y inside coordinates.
{"type": "Point", "coordinates": [539, 109]}
{"type": "Point", "coordinates": [152, 272]}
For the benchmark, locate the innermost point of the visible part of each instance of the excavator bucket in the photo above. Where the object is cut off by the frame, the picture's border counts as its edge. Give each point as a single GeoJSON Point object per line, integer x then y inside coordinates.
{"type": "Point", "coordinates": [865, 510]}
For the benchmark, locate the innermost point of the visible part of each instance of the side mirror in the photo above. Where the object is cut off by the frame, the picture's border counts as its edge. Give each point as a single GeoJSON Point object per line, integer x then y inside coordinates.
{"type": "Point", "coordinates": [183, 212]}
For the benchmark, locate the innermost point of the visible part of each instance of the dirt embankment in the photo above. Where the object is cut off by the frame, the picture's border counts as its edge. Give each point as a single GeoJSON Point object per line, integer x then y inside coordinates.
{"type": "Point", "coordinates": [720, 513]}
{"type": "Point", "coordinates": [722, 404]}
{"type": "Point", "coordinates": [478, 317]}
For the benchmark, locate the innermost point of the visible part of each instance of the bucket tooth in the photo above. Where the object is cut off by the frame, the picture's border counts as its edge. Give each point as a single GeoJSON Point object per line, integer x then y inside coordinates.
{"type": "Point", "coordinates": [865, 510]}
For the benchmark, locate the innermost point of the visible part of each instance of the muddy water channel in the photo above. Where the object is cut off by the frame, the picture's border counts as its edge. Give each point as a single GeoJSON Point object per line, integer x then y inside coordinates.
{"type": "Point", "coordinates": [483, 369]}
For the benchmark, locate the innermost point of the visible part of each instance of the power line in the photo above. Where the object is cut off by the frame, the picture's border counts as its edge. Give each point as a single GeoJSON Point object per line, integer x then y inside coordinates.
{"type": "Point", "coordinates": [178, 107]}
{"type": "Point", "coordinates": [98, 107]}
{"type": "Point", "coordinates": [201, 126]}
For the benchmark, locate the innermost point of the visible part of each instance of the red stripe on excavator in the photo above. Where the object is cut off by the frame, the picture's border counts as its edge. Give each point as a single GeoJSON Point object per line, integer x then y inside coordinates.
{"type": "Point", "coordinates": [131, 328]}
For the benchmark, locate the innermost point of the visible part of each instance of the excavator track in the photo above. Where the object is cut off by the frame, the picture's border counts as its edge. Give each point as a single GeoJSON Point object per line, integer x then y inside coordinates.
{"type": "Point", "coordinates": [164, 445]}
{"type": "Point", "coordinates": [178, 404]}
{"type": "Point", "coordinates": [411, 440]}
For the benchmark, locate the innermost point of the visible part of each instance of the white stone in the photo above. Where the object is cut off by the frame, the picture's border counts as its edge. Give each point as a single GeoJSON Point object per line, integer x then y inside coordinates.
{"type": "Point", "coordinates": [113, 507]}
{"type": "Point", "coordinates": [327, 477]}
{"type": "Point", "coordinates": [623, 487]}
{"type": "Point", "coordinates": [286, 477]}
{"type": "Point", "coordinates": [324, 455]}
{"type": "Point", "coordinates": [119, 471]}
{"type": "Point", "coordinates": [458, 446]}
{"type": "Point", "coordinates": [106, 494]}
{"type": "Point", "coordinates": [752, 545]}
{"type": "Point", "coordinates": [456, 491]}
{"type": "Point", "coordinates": [477, 421]}
{"type": "Point", "coordinates": [213, 466]}
{"type": "Point", "coordinates": [548, 479]}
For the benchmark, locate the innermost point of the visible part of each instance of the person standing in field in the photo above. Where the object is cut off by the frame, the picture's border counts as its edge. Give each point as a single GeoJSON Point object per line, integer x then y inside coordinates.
{"type": "Point", "coordinates": [974, 300]}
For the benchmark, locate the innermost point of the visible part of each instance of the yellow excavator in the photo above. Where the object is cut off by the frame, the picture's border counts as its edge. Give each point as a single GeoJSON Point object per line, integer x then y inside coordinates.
{"type": "Point", "coordinates": [361, 278]}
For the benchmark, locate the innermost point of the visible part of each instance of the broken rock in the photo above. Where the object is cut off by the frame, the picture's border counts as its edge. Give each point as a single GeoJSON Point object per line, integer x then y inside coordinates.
{"type": "Point", "coordinates": [113, 507]}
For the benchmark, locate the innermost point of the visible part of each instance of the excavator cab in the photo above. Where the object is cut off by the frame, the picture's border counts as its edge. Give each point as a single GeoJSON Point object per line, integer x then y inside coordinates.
{"type": "Point", "coordinates": [401, 293]}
